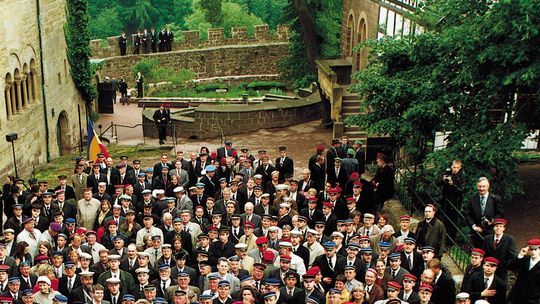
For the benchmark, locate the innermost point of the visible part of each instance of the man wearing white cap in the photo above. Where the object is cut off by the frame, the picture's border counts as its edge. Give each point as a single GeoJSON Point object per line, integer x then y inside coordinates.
{"type": "Point", "coordinates": [315, 248]}
{"type": "Point", "coordinates": [45, 295]}
{"type": "Point", "coordinates": [285, 248]}
{"type": "Point", "coordinates": [115, 272]}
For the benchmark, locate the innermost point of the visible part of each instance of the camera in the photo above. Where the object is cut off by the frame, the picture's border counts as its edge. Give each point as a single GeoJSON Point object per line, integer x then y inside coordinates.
{"type": "Point", "coordinates": [447, 176]}
{"type": "Point", "coordinates": [485, 221]}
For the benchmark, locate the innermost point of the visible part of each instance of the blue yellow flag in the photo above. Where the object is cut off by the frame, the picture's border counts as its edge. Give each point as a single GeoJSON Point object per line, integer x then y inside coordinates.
{"type": "Point", "coordinates": [94, 145]}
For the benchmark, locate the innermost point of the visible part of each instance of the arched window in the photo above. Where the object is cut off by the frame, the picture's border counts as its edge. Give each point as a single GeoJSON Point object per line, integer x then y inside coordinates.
{"type": "Point", "coordinates": [349, 36]}
{"type": "Point", "coordinates": [17, 92]}
{"type": "Point", "coordinates": [7, 95]}
{"type": "Point", "coordinates": [361, 55]}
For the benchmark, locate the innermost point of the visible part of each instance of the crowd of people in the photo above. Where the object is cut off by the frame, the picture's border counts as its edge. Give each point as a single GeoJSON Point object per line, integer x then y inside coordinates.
{"type": "Point", "coordinates": [147, 41]}
{"type": "Point", "coordinates": [229, 226]}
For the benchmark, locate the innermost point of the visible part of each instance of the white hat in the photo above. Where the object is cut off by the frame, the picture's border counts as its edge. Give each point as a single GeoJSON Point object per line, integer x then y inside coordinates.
{"type": "Point", "coordinates": [85, 255]}
{"type": "Point", "coordinates": [178, 189]}
{"type": "Point", "coordinates": [337, 233]}
{"type": "Point", "coordinates": [284, 205]}
{"type": "Point", "coordinates": [241, 246]}
{"type": "Point", "coordinates": [157, 192]}
{"type": "Point", "coordinates": [112, 280]}
{"type": "Point", "coordinates": [102, 184]}
{"type": "Point", "coordinates": [388, 228]}
{"type": "Point", "coordinates": [369, 215]}
{"type": "Point", "coordinates": [282, 187]}
{"type": "Point", "coordinates": [462, 296]}
{"type": "Point", "coordinates": [296, 232]}
{"type": "Point", "coordinates": [44, 279]}
{"type": "Point", "coordinates": [285, 244]}
{"type": "Point", "coordinates": [257, 176]}
{"type": "Point", "coordinates": [273, 228]}
{"type": "Point", "coordinates": [313, 231]}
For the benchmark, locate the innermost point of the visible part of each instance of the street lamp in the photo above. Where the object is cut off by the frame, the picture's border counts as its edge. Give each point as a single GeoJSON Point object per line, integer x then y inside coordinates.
{"type": "Point", "coordinates": [12, 137]}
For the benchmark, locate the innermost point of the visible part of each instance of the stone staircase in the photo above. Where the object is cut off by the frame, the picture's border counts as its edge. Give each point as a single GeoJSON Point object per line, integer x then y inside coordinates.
{"type": "Point", "coordinates": [350, 107]}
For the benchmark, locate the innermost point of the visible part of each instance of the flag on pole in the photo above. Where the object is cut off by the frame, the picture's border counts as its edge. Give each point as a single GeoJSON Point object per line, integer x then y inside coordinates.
{"type": "Point", "coordinates": [94, 145]}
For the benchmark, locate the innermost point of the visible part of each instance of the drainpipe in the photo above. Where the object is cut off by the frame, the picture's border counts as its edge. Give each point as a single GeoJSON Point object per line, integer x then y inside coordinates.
{"type": "Point", "coordinates": [43, 81]}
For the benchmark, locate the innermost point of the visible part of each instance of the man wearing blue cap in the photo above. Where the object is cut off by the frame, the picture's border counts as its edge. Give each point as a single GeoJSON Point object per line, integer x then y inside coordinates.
{"type": "Point", "coordinates": [224, 297]}
{"type": "Point", "coordinates": [210, 181]}
{"type": "Point", "coordinates": [128, 299]}
{"type": "Point", "coordinates": [394, 270]}
{"type": "Point", "coordinates": [330, 264]}
{"type": "Point", "coordinates": [13, 290]}
{"type": "Point", "coordinates": [270, 297]}
{"type": "Point", "coordinates": [164, 281]}
{"type": "Point", "coordinates": [411, 259]}
{"type": "Point", "coordinates": [70, 280]}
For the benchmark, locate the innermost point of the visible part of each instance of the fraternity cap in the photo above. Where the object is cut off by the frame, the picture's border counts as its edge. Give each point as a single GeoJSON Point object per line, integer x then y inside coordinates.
{"type": "Point", "coordinates": [409, 276]}
{"type": "Point", "coordinates": [86, 274]}
{"type": "Point", "coordinates": [462, 296]}
{"type": "Point", "coordinates": [491, 260]}
{"type": "Point", "coordinates": [113, 281]}
{"type": "Point", "coordinates": [428, 248]}
{"type": "Point", "coordinates": [427, 287]}
{"type": "Point", "coordinates": [394, 285]}
{"type": "Point", "coordinates": [114, 257]}
{"type": "Point", "coordinates": [60, 298]}
{"type": "Point", "coordinates": [261, 240]}
{"type": "Point", "coordinates": [142, 270]}
{"type": "Point", "coordinates": [409, 240]}
{"type": "Point", "coordinates": [44, 279]}
{"type": "Point", "coordinates": [500, 221]}
{"type": "Point", "coordinates": [241, 246]}
{"type": "Point", "coordinates": [268, 255]}
{"type": "Point", "coordinates": [478, 251]}
{"type": "Point", "coordinates": [405, 218]}
{"type": "Point", "coordinates": [369, 215]}
{"type": "Point", "coordinates": [128, 297]}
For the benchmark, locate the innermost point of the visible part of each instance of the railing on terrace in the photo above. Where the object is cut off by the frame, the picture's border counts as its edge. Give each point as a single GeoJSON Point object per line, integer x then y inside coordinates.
{"type": "Point", "coordinates": [458, 242]}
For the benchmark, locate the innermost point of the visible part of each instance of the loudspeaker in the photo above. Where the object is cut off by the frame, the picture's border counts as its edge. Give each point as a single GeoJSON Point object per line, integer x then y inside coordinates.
{"type": "Point", "coordinates": [11, 137]}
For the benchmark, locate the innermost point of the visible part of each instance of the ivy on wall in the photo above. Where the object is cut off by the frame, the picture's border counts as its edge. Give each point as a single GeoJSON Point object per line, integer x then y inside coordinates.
{"type": "Point", "coordinates": [78, 48]}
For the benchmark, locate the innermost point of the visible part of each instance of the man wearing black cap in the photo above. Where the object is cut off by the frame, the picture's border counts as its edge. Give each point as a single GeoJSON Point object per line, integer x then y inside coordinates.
{"type": "Point", "coordinates": [162, 117]}
{"type": "Point", "coordinates": [68, 190]}
{"type": "Point", "coordinates": [284, 164]}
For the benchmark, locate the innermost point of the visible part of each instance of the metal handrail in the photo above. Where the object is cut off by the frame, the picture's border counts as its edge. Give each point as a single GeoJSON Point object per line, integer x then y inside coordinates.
{"type": "Point", "coordinates": [114, 132]}
{"type": "Point", "coordinates": [460, 247]}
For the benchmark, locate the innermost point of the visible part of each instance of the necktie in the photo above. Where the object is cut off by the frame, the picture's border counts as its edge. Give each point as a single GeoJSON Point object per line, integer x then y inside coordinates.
{"type": "Point", "coordinates": [33, 235]}
{"type": "Point", "coordinates": [113, 300]}
{"type": "Point", "coordinates": [367, 232]}
{"type": "Point", "coordinates": [483, 203]}
{"type": "Point", "coordinates": [163, 287]}
{"type": "Point", "coordinates": [393, 274]}
{"type": "Point", "coordinates": [330, 263]}
{"type": "Point", "coordinates": [155, 252]}
{"type": "Point", "coordinates": [405, 297]}
{"type": "Point", "coordinates": [486, 283]}
{"type": "Point", "coordinates": [69, 284]}
{"type": "Point", "coordinates": [258, 285]}
{"type": "Point", "coordinates": [310, 214]}
{"type": "Point", "coordinates": [130, 264]}
{"type": "Point", "coordinates": [409, 260]}
{"type": "Point", "coordinates": [496, 243]}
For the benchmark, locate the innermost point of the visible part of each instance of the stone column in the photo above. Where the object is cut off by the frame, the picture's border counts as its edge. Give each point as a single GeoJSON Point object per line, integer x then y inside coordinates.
{"type": "Point", "coordinates": [7, 93]}
{"type": "Point", "coordinates": [25, 92]}
{"type": "Point", "coordinates": [35, 85]}
{"type": "Point", "coordinates": [19, 95]}
{"type": "Point", "coordinates": [13, 100]}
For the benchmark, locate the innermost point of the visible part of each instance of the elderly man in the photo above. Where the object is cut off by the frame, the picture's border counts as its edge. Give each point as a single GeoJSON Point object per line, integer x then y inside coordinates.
{"type": "Point", "coordinates": [482, 209]}
{"type": "Point", "coordinates": [87, 209]}
{"type": "Point", "coordinates": [30, 235]}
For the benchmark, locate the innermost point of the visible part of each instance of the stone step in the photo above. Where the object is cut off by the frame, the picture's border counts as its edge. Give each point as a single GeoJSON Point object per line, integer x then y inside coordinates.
{"type": "Point", "coordinates": [351, 96]}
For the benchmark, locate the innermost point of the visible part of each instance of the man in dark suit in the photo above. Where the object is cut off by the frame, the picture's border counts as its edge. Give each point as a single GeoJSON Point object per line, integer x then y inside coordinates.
{"type": "Point", "coordinates": [28, 280]}
{"type": "Point", "coordinates": [444, 287]}
{"type": "Point", "coordinates": [360, 156]}
{"type": "Point", "coordinates": [163, 180]}
{"type": "Point", "coordinates": [330, 264]}
{"type": "Point", "coordinates": [331, 154]}
{"type": "Point", "coordinates": [477, 257]}
{"type": "Point", "coordinates": [407, 294]}
{"type": "Point", "coordinates": [482, 209]}
{"type": "Point", "coordinates": [336, 174]}
{"type": "Point", "coordinates": [68, 282]}
{"type": "Point", "coordinates": [394, 270]}
{"type": "Point", "coordinates": [309, 290]}
{"type": "Point", "coordinates": [329, 218]}
{"type": "Point", "coordinates": [83, 293]}
{"type": "Point", "coordinates": [95, 178]}
{"type": "Point", "coordinates": [284, 164]}
{"type": "Point", "coordinates": [68, 209]}
{"type": "Point", "coordinates": [264, 207]}
{"type": "Point", "coordinates": [162, 118]}
{"type": "Point", "coordinates": [265, 169]}
{"type": "Point", "coordinates": [500, 246]}
{"type": "Point", "coordinates": [210, 181]}
{"type": "Point", "coordinates": [123, 177]}
{"type": "Point", "coordinates": [13, 290]}
{"type": "Point", "coordinates": [486, 285]}
{"type": "Point", "coordinates": [140, 186]}
{"type": "Point", "coordinates": [226, 151]}
{"type": "Point", "coordinates": [352, 259]}
{"type": "Point", "coordinates": [69, 192]}
{"type": "Point", "coordinates": [527, 286]}
{"type": "Point", "coordinates": [297, 248]}
{"type": "Point", "coordinates": [122, 43]}
{"type": "Point", "coordinates": [312, 213]}
{"type": "Point", "coordinates": [411, 259]}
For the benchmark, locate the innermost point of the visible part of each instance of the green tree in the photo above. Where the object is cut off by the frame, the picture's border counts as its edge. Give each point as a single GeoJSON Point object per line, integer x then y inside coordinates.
{"type": "Point", "coordinates": [462, 76]}
{"type": "Point", "coordinates": [105, 24]}
{"type": "Point", "coordinates": [138, 14]}
{"type": "Point", "coordinates": [213, 12]}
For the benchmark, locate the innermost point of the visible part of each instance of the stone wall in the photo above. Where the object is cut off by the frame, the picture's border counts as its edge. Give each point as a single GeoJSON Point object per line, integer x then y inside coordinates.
{"type": "Point", "coordinates": [211, 120]}
{"type": "Point", "coordinates": [192, 40]}
{"type": "Point", "coordinates": [55, 101]}
{"type": "Point", "coordinates": [220, 61]}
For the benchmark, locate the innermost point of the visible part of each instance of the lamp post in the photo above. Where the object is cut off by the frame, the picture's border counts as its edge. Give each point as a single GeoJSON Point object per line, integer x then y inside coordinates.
{"type": "Point", "coordinates": [12, 137]}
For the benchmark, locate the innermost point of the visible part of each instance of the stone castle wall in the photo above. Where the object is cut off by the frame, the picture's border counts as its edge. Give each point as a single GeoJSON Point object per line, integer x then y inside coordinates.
{"type": "Point", "coordinates": [191, 40]}
{"type": "Point", "coordinates": [221, 61]}
{"type": "Point", "coordinates": [211, 121]}
{"type": "Point", "coordinates": [20, 55]}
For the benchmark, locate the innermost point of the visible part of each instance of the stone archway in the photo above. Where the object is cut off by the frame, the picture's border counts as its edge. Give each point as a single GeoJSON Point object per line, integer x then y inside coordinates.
{"type": "Point", "coordinates": [361, 55]}
{"type": "Point", "coordinates": [63, 135]}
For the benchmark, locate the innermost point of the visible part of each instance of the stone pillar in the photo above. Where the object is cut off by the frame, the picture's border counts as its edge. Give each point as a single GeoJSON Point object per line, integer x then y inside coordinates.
{"type": "Point", "coordinates": [7, 93]}
{"type": "Point", "coordinates": [35, 85]}
{"type": "Point", "coordinates": [19, 95]}
{"type": "Point", "coordinates": [13, 100]}
{"type": "Point", "coordinates": [25, 92]}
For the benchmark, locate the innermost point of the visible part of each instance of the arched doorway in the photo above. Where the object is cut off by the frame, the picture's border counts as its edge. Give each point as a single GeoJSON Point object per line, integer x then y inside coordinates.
{"type": "Point", "coordinates": [349, 38]}
{"type": "Point", "coordinates": [361, 55]}
{"type": "Point", "coordinates": [63, 136]}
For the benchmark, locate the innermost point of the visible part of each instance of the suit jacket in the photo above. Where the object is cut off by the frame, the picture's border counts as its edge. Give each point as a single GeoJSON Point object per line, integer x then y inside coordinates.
{"type": "Point", "coordinates": [413, 297]}
{"type": "Point", "coordinates": [317, 216]}
{"type": "Point", "coordinates": [78, 184]}
{"type": "Point", "coordinates": [192, 172]}
{"type": "Point", "coordinates": [326, 271]}
{"type": "Point", "coordinates": [259, 210]}
{"type": "Point", "coordinates": [330, 224]}
{"type": "Point", "coordinates": [444, 291]}
{"type": "Point", "coordinates": [63, 282]}
{"type": "Point", "coordinates": [287, 167]}
{"type": "Point", "coordinates": [360, 156]}
{"type": "Point", "coordinates": [340, 178]}
{"type": "Point", "coordinates": [69, 192]}
{"type": "Point", "coordinates": [69, 210]}
{"type": "Point", "coordinates": [158, 166]}
{"type": "Point", "coordinates": [160, 183]}
{"type": "Point", "coordinates": [210, 185]}
{"type": "Point", "coordinates": [78, 295]}
{"type": "Point", "coordinates": [300, 297]}
{"type": "Point", "coordinates": [126, 280]}
{"type": "Point", "coordinates": [304, 186]}
{"type": "Point", "coordinates": [169, 293]}
{"type": "Point", "coordinates": [473, 212]}
{"type": "Point", "coordinates": [93, 182]}
{"type": "Point", "coordinates": [108, 297]}
{"type": "Point", "coordinates": [376, 293]}
{"type": "Point", "coordinates": [266, 173]}
{"type": "Point", "coordinates": [255, 219]}
{"type": "Point", "coordinates": [303, 253]}
{"type": "Point", "coordinates": [505, 251]}
{"type": "Point", "coordinates": [7, 294]}
{"type": "Point", "coordinates": [360, 267]}
{"type": "Point", "coordinates": [527, 286]}
{"type": "Point", "coordinates": [183, 177]}
{"type": "Point", "coordinates": [476, 285]}
{"type": "Point", "coordinates": [417, 263]}
{"type": "Point", "coordinates": [25, 285]}
{"type": "Point", "coordinates": [128, 179]}
{"type": "Point", "coordinates": [399, 274]}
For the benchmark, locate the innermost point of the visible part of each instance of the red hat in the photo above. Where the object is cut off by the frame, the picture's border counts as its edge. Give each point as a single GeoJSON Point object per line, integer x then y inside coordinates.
{"type": "Point", "coordinates": [328, 204]}
{"type": "Point", "coordinates": [261, 240]}
{"type": "Point", "coordinates": [533, 242]}
{"type": "Point", "coordinates": [250, 224]}
{"type": "Point", "coordinates": [410, 277]}
{"type": "Point", "coordinates": [39, 258]}
{"type": "Point", "coordinates": [381, 155]}
{"type": "Point", "coordinates": [199, 207]}
{"type": "Point", "coordinates": [320, 148]}
{"type": "Point", "coordinates": [358, 184]}
{"type": "Point", "coordinates": [6, 300]}
{"type": "Point", "coordinates": [312, 198]}
{"type": "Point", "coordinates": [234, 153]}
{"type": "Point", "coordinates": [313, 270]}
{"type": "Point", "coordinates": [127, 186]}
{"type": "Point", "coordinates": [223, 161]}
{"type": "Point", "coordinates": [351, 199]}
{"type": "Point", "coordinates": [91, 232]}
{"type": "Point", "coordinates": [212, 228]}
{"type": "Point", "coordinates": [333, 190]}
{"type": "Point", "coordinates": [395, 285]}
{"type": "Point", "coordinates": [285, 257]}
{"type": "Point", "coordinates": [491, 260]}
{"type": "Point", "coordinates": [372, 271]}
{"type": "Point", "coordinates": [213, 155]}
{"type": "Point", "coordinates": [426, 287]}
{"type": "Point", "coordinates": [81, 231]}
{"type": "Point", "coordinates": [478, 251]}
{"type": "Point", "coordinates": [111, 222]}
{"type": "Point", "coordinates": [500, 221]}
{"type": "Point", "coordinates": [405, 218]}
{"type": "Point", "coordinates": [400, 248]}
{"type": "Point", "coordinates": [354, 176]}
{"type": "Point", "coordinates": [119, 186]}
{"type": "Point", "coordinates": [268, 255]}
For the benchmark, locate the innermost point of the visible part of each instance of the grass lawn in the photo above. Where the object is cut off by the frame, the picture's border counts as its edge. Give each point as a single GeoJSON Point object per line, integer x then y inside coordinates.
{"type": "Point", "coordinates": [65, 164]}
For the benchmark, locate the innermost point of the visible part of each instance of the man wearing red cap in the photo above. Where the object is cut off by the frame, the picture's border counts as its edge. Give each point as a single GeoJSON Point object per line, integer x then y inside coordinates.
{"type": "Point", "coordinates": [162, 118]}
{"type": "Point", "coordinates": [477, 257]}
{"type": "Point", "coordinates": [374, 291]}
{"type": "Point", "coordinates": [424, 292]}
{"type": "Point", "coordinates": [526, 289]}
{"type": "Point", "coordinates": [501, 246]}
{"type": "Point", "coordinates": [487, 285]}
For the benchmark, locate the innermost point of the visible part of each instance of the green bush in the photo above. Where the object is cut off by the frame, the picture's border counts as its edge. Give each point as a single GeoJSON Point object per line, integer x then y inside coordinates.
{"type": "Point", "coordinates": [153, 72]}
{"type": "Point", "coordinates": [211, 87]}
{"type": "Point", "coordinates": [265, 85]}
{"type": "Point", "coordinates": [146, 66]}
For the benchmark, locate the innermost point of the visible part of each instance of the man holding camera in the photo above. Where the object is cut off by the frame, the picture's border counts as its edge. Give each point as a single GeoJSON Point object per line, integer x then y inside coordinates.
{"type": "Point", "coordinates": [481, 210]}
{"type": "Point", "coordinates": [453, 186]}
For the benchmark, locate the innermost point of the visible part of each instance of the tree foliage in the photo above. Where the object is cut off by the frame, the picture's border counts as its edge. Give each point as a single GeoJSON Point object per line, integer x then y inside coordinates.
{"type": "Point", "coordinates": [78, 49]}
{"type": "Point", "coordinates": [299, 68]}
{"type": "Point", "coordinates": [213, 12]}
{"type": "Point", "coordinates": [462, 77]}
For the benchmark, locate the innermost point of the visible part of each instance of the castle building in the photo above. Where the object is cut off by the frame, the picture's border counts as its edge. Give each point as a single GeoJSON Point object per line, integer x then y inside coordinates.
{"type": "Point", "coordinates": [40, 102]}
